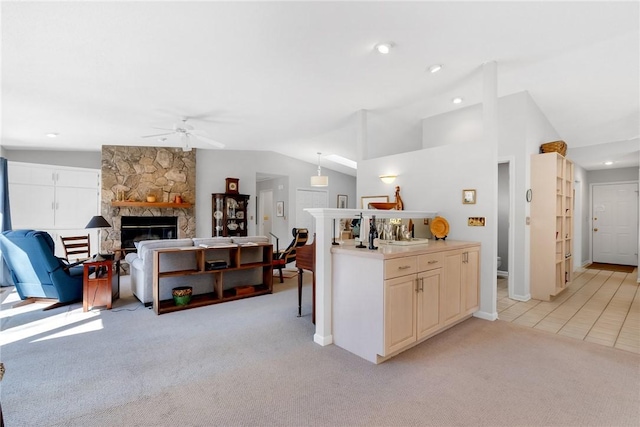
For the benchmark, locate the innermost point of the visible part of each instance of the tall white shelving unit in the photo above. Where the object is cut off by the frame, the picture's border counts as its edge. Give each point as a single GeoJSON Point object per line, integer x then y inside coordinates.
{"type": "Point", "coordinates": [552, 207]}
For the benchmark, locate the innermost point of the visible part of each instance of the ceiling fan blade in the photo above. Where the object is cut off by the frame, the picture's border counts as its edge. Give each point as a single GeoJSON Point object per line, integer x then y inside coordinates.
{"type": "Point", "coordinates": [158, 134]}
{"type": "Point", "coordinates": [208, 140]}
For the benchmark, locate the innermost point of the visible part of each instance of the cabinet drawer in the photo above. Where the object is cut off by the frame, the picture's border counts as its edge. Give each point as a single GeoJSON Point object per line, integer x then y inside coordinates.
{"type": "Point", "coordinates": [399, 267]}
{"type": "Point", "coordinates": [430, 261]}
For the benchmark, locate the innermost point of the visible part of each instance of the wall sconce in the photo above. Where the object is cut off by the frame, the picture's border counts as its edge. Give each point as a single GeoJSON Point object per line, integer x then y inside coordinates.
{"type": "Point", "coordinates": [388, 179]}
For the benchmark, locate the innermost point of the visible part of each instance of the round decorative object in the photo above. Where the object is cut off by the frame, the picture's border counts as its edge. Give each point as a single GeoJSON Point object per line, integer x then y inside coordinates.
{"type": "Point", "coordinates": [529, 195]}
{"type": "Point", "coordinates": [151, 199]}
{"type": "Point", "coordinates": [439, 227]}
{"type": "Point", "coordinates": [382, 205]}
{"type": "Point", "coordinates": [217, 214]}
{"type": "Point", "coordinates": [240, 215]}
{"type": "Point", "coordinates": [182, 295]}
{"type": "Point", "coordinates": [232, 226]}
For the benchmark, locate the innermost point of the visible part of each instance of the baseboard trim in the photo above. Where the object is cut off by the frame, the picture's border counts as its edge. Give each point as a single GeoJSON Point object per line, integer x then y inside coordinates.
{"type": "Point", "coordinates": [486, 316]}
{"type": "Point", "coordinates": [322, 340]}
{"type": "Point", "coordinates": [503, 273]}
{"type": "Point", "coordinates": [522, 298]}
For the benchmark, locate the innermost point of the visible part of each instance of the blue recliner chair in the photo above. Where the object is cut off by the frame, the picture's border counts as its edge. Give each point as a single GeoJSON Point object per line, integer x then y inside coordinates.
{"type": "Point", "coordinates": [36, 272]}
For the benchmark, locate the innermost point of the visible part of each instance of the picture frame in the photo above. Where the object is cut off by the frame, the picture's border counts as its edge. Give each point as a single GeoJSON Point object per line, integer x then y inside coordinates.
{"type": "Point", "coordinates": [280, 208]}
{"type": "Point", "coordinates": [469, 197]}
{"type": "Point", "coordinates": [365, 200]}
{"type": "Point", "coordinates": [342, 201]}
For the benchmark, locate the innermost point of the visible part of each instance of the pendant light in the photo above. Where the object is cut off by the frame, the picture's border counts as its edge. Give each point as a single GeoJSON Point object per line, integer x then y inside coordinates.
{"type": "Point", "coordinates": [319, 180]}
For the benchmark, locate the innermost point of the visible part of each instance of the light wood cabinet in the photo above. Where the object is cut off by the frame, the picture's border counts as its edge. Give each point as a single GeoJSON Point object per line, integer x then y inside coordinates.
{"type": "Point", "coordinates": [423, 292]}
{"type": "Point", "coordinates": [399, 312]}
{"type": "Point", "coordinates": [552, 207]}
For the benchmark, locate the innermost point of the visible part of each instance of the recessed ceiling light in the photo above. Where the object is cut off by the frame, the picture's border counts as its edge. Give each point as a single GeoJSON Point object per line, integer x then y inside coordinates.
{"type": "Point", "coordinates": [52, 135]}
{"type": "Point", "coordinates": [609, 163]}
{"type": "Point", "coordinates": [435, 68]}
{"type": "Point", "coordinates": [457, 100]}
{"type": "Point", "coordinates": [384, 48]}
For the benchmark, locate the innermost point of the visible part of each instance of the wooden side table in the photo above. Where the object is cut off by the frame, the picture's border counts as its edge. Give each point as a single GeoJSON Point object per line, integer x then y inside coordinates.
{"type": "Point", "coordinates": [96, 289]}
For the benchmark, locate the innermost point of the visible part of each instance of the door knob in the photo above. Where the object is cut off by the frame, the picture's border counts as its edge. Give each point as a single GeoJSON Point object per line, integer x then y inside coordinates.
{"type": "Point", "coordinates": [595, 229]}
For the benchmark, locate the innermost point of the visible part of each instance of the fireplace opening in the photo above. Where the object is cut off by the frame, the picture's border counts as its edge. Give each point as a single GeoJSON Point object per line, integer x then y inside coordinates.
{"type": "Point", "coordinates": [136, 228]}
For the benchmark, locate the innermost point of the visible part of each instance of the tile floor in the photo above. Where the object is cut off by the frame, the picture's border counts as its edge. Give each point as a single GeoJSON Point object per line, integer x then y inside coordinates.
{"type": "Point", "coordinates": [599, 306]}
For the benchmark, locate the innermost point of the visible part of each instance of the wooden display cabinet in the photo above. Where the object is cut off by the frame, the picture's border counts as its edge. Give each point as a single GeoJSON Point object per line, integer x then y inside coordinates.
{"type": "Point", "coordinates": [237, 280]}
{"type": "Point", "coordinates": [229, 214]}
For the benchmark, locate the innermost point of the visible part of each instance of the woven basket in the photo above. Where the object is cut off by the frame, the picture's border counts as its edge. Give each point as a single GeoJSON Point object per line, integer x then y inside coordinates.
{"type": "Point", "coordinates": [555, 146]}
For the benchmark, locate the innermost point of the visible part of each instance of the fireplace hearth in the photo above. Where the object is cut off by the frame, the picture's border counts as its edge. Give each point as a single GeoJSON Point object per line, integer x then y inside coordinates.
{"type": "Point", "coordinates": [136, 228]}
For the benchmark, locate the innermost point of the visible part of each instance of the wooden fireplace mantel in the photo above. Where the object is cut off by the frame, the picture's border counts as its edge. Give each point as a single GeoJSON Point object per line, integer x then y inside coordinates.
{"type": "Point", "coordinates": [183, 205]}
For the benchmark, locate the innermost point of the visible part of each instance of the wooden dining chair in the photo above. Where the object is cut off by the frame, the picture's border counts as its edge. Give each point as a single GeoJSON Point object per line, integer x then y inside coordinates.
{"type": "Point", "coordinates": [76, 248]}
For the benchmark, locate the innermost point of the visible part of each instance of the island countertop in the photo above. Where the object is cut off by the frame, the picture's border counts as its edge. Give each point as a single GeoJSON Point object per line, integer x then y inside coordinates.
{"type": "Point", "coordinates": [386, 251]}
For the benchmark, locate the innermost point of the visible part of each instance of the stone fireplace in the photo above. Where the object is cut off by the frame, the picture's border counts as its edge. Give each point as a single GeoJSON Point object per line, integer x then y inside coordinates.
{"type": "Point", "coordinates": [130, 174]}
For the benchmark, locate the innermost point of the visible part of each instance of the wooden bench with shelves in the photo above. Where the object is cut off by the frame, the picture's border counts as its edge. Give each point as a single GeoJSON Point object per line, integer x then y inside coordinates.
{"type": "Point", "coordinates": [248, 272]}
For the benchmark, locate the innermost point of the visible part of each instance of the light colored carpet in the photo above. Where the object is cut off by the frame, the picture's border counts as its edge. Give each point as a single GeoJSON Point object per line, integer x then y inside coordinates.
{"type": "Point", "coordinates": [287, 274]}
{"type": "Point", "coordinates": [253, 362]}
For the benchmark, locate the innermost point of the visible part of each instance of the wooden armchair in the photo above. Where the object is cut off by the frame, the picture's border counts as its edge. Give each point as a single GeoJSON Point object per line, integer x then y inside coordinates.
{"type": "Point", "coordinates": [284, 257]}
{"type": "Point", "coordinates": [76, 248]}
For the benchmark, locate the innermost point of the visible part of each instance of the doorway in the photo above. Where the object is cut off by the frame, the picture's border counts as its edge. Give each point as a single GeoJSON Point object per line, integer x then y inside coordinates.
{"type": "Point", "coordinates": [505, 259]}
{"type": "Point", "coordinates": [265, 212]}
{"type": "Point", "coordinates": [614, 219]}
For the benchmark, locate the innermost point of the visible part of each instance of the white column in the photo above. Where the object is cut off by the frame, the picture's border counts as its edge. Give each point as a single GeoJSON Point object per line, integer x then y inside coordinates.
{"type": "Point", "coordinates": [488, 276]}
{"type": "Point", "coordinates": [323, 335]}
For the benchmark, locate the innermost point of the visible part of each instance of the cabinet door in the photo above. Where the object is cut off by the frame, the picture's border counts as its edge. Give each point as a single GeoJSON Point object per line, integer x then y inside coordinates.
{"type": "Point", "coordinates": [77, 178]}
{"type": "Point", "coordinates": [75, 206]}
{"type": "Point", "coordinates": [399, 313]}
{"type": "Point", "coordinates": [451, 301]}
{"type": "Point", "coordinates": [470, 279]}
{"type": "Point", "coordinates": [32, 206]}
{"type": "Point", "coordinates": [428, 303]}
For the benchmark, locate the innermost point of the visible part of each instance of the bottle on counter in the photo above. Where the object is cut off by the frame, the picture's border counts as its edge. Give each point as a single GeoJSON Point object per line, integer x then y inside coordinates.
{"type": "Point", "coordinates": [373, 233]}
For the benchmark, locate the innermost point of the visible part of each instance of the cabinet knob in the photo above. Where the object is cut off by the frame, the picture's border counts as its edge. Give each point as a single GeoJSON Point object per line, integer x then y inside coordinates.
{"type": "Point", "coordinates": [404, 267]}
{"type": "Point", "coordinates": [432, 262]}
{"type": "Point", "coordinates": [595, 229]}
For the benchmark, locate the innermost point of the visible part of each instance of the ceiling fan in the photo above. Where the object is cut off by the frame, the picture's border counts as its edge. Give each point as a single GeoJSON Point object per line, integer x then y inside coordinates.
{"type": "Point", "coordinates": [185, 131]}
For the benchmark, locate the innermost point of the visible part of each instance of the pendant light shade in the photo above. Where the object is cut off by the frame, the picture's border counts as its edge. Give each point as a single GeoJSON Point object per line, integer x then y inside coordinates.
{"type": "Point", "coordinates": [319, 180]}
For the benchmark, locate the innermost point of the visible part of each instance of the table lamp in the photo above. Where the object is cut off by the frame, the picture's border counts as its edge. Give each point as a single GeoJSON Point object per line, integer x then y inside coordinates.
{"type": "Point", "coordinates": [98, 222]}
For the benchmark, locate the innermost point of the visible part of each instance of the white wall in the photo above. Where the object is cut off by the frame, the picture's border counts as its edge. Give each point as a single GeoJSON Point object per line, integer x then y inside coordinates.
{"type": "Point", "coordinates": [581, 222]}
{"type": "Point", "coordinates": [213, 166]}
{"type": "Point", "coordinates": [522, 127]}
{"type": "Point", "coordinates": [432, 180]}
{"type": "Point", "coordinates": [78, 159]}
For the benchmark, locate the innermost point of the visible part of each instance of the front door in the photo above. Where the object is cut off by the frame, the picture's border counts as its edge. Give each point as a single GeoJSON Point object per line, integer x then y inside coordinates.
{"type": "Point", "coordinates": [615, 223]}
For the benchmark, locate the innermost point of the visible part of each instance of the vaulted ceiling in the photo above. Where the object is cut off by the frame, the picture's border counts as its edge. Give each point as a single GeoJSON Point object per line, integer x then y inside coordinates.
{"type": "Point", "coordinates": [291, 76]}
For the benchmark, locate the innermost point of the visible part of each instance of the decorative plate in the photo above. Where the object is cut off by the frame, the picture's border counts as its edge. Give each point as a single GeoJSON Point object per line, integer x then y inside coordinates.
{"type": "Point", "coordinates": [232, 226]}
{"type": "Point", "coordinates": [217, 215]}
{"type": "Point", "coordinates": [439, 227]}
{"type": "Point", "coordinates": [240, 215]}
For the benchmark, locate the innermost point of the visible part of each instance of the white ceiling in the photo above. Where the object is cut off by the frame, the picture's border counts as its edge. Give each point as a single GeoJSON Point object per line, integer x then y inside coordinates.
{"type": "Point", "coordinates": [290, 76]}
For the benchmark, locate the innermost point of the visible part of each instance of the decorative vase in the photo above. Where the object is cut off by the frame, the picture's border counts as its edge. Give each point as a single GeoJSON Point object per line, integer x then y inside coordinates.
{"type": "Point", "coordinates": [182, 295]}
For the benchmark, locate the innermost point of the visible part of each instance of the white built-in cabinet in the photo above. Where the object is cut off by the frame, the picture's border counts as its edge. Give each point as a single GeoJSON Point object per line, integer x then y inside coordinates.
{"type": "Point", "coordinates": [389, 300]}
{"type": "Point", "coordinates": [552, 207]}
{"type": "Point", "coordinates": [59, 200]}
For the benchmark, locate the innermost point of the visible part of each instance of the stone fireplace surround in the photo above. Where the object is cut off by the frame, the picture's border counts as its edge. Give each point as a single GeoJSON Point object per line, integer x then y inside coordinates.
{"type": "Point", "coordinates": [142, 171]}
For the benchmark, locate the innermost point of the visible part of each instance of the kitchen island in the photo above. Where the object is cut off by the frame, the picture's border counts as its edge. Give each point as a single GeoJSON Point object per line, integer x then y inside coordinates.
{"type": "Point", "coordinates": [390, 299]}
